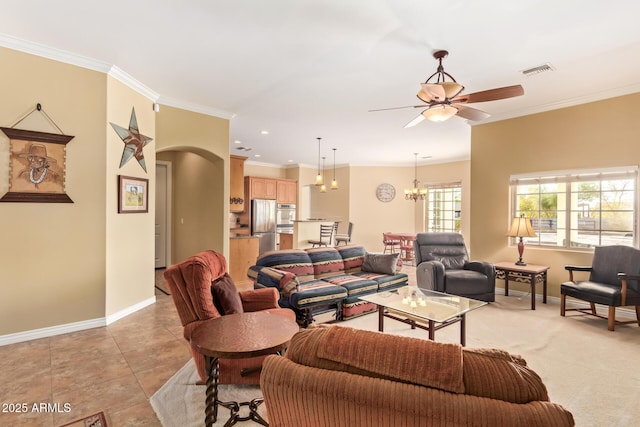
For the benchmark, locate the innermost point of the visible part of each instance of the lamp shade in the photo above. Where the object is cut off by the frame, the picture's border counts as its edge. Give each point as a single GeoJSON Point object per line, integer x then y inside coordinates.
{"type": "Point", "coordinates": [521, 227]}
{"type": "Point", "coordinates": [439, 113]}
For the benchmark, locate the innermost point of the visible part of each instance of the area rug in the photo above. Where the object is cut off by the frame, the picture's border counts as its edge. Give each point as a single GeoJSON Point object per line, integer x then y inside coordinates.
{"type": "Point", "coordinates": [180, 402]}
{"type": "Point", "coordinates": [586, 368]}
{"type": "Point", "coordinates": [95, 420]}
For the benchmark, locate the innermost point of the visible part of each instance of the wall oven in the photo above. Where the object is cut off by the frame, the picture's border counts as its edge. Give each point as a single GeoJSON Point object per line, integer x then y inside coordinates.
{"type": "Point", "coordinates": [285, 214]}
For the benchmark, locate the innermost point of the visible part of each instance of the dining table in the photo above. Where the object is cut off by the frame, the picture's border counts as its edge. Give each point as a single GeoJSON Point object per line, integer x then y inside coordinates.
{"type": "Point", "coordinates": [406, 246]}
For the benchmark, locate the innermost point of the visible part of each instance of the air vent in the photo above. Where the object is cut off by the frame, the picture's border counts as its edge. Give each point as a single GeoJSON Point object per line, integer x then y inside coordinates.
{"type": "Point", "coordinates": [537, 70]}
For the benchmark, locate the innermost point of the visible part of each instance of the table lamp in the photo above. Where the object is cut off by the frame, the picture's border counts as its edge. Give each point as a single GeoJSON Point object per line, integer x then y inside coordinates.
{"type": "Point", "coordinates": [521, 227]}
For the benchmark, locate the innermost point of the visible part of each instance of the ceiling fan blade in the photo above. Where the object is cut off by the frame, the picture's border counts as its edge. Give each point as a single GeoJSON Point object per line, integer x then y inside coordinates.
{"type": "Point", "coordinates": [431, 91]}
{"type": "Point", "coordinates": [415, 121]}
{"type": "Point", "coordinates": [471, 113]}
{"type": "Point", "coordinates": [491, 94]}
{"type": "Point", "coordinates": [398, 108]}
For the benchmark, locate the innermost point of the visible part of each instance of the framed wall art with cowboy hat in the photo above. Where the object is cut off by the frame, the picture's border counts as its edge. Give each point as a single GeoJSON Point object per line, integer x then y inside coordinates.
{"type": "Point", "coordinates": [36, 166]}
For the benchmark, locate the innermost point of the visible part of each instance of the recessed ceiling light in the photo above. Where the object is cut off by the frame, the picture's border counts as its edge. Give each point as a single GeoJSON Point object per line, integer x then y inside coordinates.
{"type": "Point", "coordinates": [290, 161]}
{"type": "Point", "coordinates": [256, 155]}
{"type": "Point", "coordinates": [264, 132]}
{"type": "Point", "coordinates": [237, 142]}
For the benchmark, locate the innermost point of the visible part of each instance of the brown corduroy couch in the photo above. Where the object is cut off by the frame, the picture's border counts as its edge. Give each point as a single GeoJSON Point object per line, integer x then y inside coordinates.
{"type": "Point", "coordinates": [338, 376]}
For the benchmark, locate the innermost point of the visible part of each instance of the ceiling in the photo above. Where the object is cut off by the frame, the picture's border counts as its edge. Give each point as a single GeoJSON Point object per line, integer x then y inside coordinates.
{"type": "Point", "coordinates": [306, 69]}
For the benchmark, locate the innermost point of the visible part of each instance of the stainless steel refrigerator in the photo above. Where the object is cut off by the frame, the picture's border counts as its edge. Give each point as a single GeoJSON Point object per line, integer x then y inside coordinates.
{"type": "Point", "coordinates": [263, 223]}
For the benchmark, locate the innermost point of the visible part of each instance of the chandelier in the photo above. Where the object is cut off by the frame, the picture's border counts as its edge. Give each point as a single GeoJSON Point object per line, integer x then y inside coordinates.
{"type": "Point", "coordinates": [416, 193]}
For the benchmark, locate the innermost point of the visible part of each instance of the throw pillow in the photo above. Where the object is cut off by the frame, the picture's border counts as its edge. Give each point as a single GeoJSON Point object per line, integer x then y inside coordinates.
{"type": "Point", "coordinates": [225, 296]}
{"type": "Point", "coordinates": [380, 263]}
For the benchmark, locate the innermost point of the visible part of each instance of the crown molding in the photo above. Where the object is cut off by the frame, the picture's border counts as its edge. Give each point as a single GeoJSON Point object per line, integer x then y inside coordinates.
{"type": "Point", "coordinates": [134, 84]}
{"type": "Point", "coordinates": [196, 108]}
{"type": "Point", "coordinates": [114, 71]}
{"type": "Point", "coordinates": [572, 102]}
{"type": "Point", "coordinates": [48, 52]}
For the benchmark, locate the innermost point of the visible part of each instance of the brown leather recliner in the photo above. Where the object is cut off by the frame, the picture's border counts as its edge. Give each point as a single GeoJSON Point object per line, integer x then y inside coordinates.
{"type": "Point", "coordinates": [190, 283]}
{"type": "Point", "coordinates": [442, 264]}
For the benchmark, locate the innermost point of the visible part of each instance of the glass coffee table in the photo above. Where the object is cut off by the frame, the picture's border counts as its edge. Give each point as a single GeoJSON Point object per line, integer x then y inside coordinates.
{"type": "Point", "coordinates": [424, 309]}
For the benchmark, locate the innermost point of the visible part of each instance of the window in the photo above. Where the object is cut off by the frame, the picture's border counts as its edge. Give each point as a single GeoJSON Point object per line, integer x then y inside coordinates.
{"type": "Point", "coordinates": [443, 206]}
{"type": "Point", "coordinates": [579, 209]}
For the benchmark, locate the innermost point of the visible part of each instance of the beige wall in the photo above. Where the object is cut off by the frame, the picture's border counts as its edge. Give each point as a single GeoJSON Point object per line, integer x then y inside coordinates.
{"type": "Point", "coordinates": [52, 255]}
{"type": "Point", "coordinates": [444, 173]}
{"type": "Point", "coordinates": [198, 147]}
{"type": "Point", "coordinates": [130, 237]}
{"type": "Point", "coordinates": [596, 135]}
{"type": "Point", "coordinates": [356, 199]}
{"type": "Point", "coordinates": [370, 216]}
{"type": "Point", "coordinates": [72, 265]}
{"type": "Point", "coordinates": [334, 204]}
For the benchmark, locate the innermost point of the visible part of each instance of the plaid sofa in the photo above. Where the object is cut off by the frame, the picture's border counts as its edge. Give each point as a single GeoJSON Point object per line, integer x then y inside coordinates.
{"type": "Point", "coordinates": [318, 280]}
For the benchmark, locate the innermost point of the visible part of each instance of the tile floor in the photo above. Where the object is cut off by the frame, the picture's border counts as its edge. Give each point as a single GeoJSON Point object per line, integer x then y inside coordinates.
{"type": "Point", "coordinates": [115, 369]}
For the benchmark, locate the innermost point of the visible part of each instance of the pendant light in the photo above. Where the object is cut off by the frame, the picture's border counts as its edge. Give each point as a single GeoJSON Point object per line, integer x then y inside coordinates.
{"type": "Point", "coordinates": [319, 177]}
{"type": "Point", "coordinates": [323, 188]}
{"type": "Point", "coordinates": [334, 183]}
{"type": "Point", "coordinates": [416, 192]}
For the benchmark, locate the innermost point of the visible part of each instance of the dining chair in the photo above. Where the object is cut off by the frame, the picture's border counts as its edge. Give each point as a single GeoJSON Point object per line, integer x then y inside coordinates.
{"type": "Point", "coordinates": [391, 242]}
{"type": "Point", "coordinates": [406, 248]}
{"type": "Point", "coordinates": [345, 238]}
{"type": "Point", "coordinates": [326, 234]}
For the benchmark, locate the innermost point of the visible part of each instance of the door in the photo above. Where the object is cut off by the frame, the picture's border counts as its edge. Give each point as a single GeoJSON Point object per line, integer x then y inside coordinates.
{"type": "Point", "coordinates": [163, 213]}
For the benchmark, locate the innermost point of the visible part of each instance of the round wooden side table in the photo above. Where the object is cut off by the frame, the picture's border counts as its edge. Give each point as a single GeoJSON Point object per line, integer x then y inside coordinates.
{"type": "Point", "coordinates": [238, 336]}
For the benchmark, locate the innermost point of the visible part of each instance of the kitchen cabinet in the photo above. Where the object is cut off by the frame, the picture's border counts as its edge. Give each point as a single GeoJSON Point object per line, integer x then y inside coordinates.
{"type": "Point", "coordinates": [236, 184]}
{"type": "Point", "coordinates": [243, 253]}
{"type": "Point", "coordinates": [286, 241]}
{"type": "Point", "coordinates": [260, 188]}
{"type": "Point", "coordinates": [287, 191]}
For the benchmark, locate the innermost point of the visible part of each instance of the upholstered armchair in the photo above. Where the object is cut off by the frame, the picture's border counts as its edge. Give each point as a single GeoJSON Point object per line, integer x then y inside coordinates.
{"type": "Point", "coordinates": [201, 289]}
{"type": "Point", "coordinates": [442, 264]}
{"type": "Point", "coordinates": [614, 277]}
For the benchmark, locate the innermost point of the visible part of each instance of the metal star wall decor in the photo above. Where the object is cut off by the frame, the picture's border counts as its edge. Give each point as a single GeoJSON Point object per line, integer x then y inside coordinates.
{"type": "Point", "coordinates": [133, 140]}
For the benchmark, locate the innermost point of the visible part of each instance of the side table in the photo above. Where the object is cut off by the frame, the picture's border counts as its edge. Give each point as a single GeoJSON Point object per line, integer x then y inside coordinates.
{"type": "Point", "coordinates": [529, 273]}
{"type": "Point", "coordinates": [237, 336]}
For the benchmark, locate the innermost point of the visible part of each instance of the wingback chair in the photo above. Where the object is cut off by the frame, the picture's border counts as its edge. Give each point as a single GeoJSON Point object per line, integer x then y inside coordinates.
{"type": "Point", "coordinates": [614, 277]}
{"type": "Point", "coordinates": [201, 289]}
{"type": "Point", "coordinates": [442, 264]}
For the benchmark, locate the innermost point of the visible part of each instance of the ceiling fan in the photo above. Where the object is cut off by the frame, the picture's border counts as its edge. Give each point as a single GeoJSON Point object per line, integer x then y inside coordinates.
{"type": "Point", "coordinates": [443, 99]}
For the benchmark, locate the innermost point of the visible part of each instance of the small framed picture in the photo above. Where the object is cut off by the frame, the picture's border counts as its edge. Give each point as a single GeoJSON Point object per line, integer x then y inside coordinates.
{"type": "Point", "coordinates": [133, 194]}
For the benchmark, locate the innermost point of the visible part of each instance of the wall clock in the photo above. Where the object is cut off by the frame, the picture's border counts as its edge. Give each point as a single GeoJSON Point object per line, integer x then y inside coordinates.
{"type": "Point", "coordinates": [385, 192]}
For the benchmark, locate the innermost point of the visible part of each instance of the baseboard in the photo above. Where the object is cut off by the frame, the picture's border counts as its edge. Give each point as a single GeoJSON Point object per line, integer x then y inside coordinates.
{"type": "Point", "coordinates": [73, 327]}
{"type": "Point", "coordinates": [130, 310]}
{"type": "Point", "coordinates": [51, 331]}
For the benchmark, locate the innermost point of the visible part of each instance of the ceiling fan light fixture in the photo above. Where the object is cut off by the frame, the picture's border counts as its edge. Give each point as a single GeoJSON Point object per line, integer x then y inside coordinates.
{"type": "Point", "coordinates": [451, 89]}
{"type": "Point", "coordinates": [440, 113]}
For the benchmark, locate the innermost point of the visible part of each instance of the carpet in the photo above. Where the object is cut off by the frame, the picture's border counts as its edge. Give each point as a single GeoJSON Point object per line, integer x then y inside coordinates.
{"type": "Point", "coordinates": [95, 420]}
{"type": "Point", "coordinates": [180, 402]}
{"type": "Point", "coordinates": [586, 368]}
